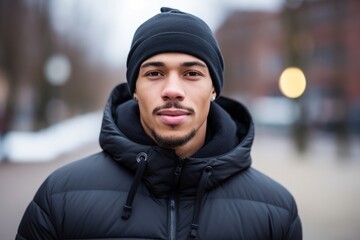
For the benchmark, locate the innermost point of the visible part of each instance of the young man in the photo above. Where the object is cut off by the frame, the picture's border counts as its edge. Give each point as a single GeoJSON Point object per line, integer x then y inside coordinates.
{"type": "Point", "coordinates": [175, 163]}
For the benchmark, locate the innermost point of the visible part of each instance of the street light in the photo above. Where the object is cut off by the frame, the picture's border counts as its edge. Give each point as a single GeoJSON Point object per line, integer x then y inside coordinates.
{"type": "Point", "coordinates": [57, 69]}
{"type": "Point", "coordinates": [292, 82]}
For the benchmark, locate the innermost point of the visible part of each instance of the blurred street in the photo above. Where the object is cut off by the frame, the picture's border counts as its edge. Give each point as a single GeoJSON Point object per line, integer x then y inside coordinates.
{"type": "Point", "coordinates": [293, 63]}
{"type": "Point", "coordinates": [326, 187]}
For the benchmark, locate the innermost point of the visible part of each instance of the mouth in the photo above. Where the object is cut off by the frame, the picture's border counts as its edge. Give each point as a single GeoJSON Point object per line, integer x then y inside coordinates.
{"type": "Point", "coordinates": [173, 116]}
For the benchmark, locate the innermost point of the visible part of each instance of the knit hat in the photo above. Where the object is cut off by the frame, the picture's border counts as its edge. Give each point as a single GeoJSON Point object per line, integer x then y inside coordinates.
{"type": "Point", "coordinates": [175, 31]}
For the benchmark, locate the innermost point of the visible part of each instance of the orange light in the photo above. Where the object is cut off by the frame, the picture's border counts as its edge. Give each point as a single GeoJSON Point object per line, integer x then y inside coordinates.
{"type": "Point", "coordinates": [292, 82]}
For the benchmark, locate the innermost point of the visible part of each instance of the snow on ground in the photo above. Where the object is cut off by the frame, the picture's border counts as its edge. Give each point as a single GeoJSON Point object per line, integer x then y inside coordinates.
{"type": "Point", "coordinates": [50, 143]}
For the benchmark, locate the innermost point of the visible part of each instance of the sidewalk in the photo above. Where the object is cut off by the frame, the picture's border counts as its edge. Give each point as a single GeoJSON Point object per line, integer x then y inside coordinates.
{"type": "Point", "coordinates": [327, 189]}
{"type": "Point", "coordinates": [20, 181]}
{"type": "Point", "coordinates": [325, 186]}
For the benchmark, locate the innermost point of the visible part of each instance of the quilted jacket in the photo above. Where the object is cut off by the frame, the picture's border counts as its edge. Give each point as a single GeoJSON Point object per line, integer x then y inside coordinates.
{"type": "Point", "coordinates": [134, 189]}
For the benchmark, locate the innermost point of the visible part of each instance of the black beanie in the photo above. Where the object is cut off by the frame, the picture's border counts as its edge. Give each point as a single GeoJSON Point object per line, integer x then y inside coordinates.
{"type": "Point", "coordinates": [175, 31]}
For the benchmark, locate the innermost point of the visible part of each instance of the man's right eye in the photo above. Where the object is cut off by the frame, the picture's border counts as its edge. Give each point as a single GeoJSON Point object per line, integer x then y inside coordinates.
{"type": "Point", "coordinates": [154, 74]}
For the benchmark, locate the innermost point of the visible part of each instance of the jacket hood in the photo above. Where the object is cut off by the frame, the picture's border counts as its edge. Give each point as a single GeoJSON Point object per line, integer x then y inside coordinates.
{"type": "Point", "coordinates": [163, 166]}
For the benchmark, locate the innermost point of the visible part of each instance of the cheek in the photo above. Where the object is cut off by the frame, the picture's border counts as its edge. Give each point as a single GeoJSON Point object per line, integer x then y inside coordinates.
{"type": "Point", "coordinates": [145, 108]}
{"type": "Point", "coordinates": [203, 108]}
{"type": "Point", "coordinates": [146, 117]}
{"type": "Point", "coordinates": [147, 92]}
{"type": "Point", "coordinates": [147, 103]}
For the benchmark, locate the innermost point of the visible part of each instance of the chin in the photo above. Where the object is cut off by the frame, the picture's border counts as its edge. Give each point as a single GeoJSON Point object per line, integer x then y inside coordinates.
{"type": "Point", "coordinates": [173, 140]}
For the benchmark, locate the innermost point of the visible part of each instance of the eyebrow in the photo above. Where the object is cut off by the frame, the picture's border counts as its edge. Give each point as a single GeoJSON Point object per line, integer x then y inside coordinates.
{"type": "Point", "coordinates": [185, 64]}
{"type": "Point", "coordinates": [154, 64]}
{"type": "Point", "coordinates": [194, 63]}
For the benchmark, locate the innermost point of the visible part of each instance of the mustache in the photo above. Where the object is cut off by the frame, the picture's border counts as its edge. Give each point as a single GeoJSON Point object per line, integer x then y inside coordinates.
{"type": "Point", "coordinates": [173, 104]}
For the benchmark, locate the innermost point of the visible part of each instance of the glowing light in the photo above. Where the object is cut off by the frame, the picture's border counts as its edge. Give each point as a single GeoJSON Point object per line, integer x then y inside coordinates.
{"type": "Point", "coordinates": [57, 69]}
{"type": "Point", "coordinates": [292, 82]}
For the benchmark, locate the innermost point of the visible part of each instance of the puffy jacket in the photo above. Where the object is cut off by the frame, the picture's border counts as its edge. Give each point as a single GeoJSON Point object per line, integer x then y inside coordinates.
{"type": "Point", "coordinates": [134, 189]}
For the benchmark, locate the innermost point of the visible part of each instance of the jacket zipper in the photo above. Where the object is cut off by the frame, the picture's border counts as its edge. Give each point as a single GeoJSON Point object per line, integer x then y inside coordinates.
{"type": "Point", "coordinates": [172, 229]}
{"type": "Point", "coordinates": [172, 201]}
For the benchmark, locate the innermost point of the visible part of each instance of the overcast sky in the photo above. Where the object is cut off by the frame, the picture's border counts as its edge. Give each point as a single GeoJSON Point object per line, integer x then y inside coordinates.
{"type": "Point", "coordinates": [110, 24]}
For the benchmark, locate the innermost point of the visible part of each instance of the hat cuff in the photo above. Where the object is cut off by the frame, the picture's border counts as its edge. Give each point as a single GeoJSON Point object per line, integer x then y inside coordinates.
{"type": "Point", "coordinates": [175, 42]}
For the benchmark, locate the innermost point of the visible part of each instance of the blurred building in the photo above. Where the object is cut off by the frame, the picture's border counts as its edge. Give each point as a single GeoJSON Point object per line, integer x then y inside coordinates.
{"type": "Point", "coordinates": [253, 47]}
{"type": "Point", "coordinates": [327, 40]}
{"type": "Point", "coordinates": [319, 36]}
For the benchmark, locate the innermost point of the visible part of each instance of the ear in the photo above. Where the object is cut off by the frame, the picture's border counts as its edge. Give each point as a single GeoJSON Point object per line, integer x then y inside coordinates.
{"type": "Point", "coordinates": [135, 96]}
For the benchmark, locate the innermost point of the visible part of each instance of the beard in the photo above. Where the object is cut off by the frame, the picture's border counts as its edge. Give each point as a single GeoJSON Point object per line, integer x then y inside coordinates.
{"type": "Point", "coordinates": [172, 142]}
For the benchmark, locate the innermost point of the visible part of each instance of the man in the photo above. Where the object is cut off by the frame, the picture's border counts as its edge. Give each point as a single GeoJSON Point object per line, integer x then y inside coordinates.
{"type": "Point", "coordinates": [175, 163]}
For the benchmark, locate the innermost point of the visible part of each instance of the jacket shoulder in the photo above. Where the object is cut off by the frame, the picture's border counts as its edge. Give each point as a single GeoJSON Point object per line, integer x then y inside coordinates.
{"type": "Point", "coordinates": [97, 171]}
{"type": "Point", "coordinates": [64, 198]}
{"type": "Point", "coordinates": [258, 187]}
{"type": "Point", "coordinates": [253, 206]}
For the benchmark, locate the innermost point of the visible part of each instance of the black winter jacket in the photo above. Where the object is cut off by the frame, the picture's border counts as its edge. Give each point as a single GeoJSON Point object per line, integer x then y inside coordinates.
{"type": "Point", "coordinates": [134, 189]}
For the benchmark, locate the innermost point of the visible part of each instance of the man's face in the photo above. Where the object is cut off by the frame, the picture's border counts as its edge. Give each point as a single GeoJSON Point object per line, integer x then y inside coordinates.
{"type": "Point", "coordinates": [174, 91]}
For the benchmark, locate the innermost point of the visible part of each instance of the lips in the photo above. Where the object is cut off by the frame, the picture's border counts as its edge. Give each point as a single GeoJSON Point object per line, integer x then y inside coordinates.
{"type": "Point", "coordinates": [173, 116]}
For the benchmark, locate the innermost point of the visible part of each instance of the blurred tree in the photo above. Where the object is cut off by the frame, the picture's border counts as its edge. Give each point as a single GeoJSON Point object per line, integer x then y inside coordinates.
{"type": "Point", "coordinates": [24, 44]}
{"type": "Point", "coordinates": [318, 34]}
{"type": "Point", "coordinates": [27, 41]}
{"type": "Point", "coordinates": [294, 59]}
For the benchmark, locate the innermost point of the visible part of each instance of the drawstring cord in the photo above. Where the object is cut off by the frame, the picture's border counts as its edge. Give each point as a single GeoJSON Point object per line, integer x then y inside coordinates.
{"type": "Point", "coordinates": [141, 158]}
{"type": "Point", "coordinates": [199, 196]}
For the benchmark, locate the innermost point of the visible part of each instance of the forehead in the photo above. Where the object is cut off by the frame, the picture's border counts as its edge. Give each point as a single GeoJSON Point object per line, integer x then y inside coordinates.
{"type": "Point", "coordinates": [173, 59]}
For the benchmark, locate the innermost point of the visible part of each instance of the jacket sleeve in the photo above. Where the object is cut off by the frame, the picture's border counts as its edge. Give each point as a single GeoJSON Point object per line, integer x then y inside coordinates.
{"type": "Point", "coordinates": [37, 222]}
{"type": "Point", "coordinates": [295, 231]}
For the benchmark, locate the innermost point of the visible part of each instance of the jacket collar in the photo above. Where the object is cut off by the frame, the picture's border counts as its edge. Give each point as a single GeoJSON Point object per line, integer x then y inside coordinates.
{"type": "Point", "coordinates": [159, 175]}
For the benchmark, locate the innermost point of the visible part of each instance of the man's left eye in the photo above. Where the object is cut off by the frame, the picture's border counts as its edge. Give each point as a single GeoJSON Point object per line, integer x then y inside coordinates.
{"type": "Point", "coordinates": [192, 74]}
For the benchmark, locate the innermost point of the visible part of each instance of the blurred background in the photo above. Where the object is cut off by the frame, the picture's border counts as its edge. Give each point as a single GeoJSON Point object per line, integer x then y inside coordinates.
{"type": "Point", "coordinates": [293, 63]}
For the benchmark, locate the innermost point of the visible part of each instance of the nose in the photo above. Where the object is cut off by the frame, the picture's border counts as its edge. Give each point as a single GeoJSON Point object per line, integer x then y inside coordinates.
{"type": "Point", "coordinates": [173, 88]}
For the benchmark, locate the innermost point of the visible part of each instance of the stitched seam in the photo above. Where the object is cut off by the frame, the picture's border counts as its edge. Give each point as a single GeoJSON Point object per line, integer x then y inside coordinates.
{"type": "Point", "coordinates": [86, 190]}
{"type": "Point", "coordinates": [251, 200]}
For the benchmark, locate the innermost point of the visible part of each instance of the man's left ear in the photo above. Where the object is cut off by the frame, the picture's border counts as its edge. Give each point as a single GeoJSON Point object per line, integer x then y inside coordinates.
{"type": "Point", "coordinates": [134, 97]}
{"type": "Point", "coordinates": [213, 95]}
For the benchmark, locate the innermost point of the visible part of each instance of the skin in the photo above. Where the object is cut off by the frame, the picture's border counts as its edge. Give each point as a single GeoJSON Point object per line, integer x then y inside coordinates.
{"type": "Point", "coordinates": [174, 92]}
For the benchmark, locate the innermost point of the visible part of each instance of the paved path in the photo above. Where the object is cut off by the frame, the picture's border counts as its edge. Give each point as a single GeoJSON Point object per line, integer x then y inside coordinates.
{"type": "Point", "coordinates": [326, 188]}
{"type": "Point", "coordinates": [18, 184]}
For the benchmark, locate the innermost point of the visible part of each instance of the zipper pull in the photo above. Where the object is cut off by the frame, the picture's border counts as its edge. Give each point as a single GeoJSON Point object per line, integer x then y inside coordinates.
{"type": "Point", "coordinates": [178, 170]}
{"type": "Point", "coordinates": [179, 166]}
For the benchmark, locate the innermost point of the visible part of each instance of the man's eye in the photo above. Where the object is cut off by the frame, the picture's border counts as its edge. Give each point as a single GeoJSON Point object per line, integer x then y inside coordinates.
{"type": "Point", "coordinates": [153, 74]}
{"type": "Point", "coordinates": [193, 74]}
